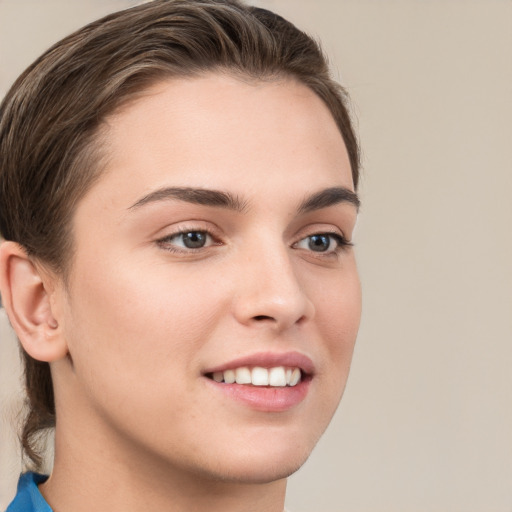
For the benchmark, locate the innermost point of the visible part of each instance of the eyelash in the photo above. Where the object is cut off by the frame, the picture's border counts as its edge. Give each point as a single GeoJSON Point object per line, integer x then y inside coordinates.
{"type": "Point", "coordinates": [341, 242]}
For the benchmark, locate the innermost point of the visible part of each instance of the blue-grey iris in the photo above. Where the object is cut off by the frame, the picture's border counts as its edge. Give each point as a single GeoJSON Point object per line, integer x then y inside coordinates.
{"type": "Point", "coordinates": [319, 243]}
{"type": "Point", "coordinates": [194, 239]}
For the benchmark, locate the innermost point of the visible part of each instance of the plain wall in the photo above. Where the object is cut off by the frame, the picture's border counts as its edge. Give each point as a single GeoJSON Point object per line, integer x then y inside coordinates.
{"type": "Point", "coordinates": [426, 421]}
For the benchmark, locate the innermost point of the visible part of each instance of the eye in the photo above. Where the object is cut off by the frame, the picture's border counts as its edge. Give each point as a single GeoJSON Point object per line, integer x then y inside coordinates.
{"type": "Point", "coordinates": [322, 242]}
{"type": "Point", "coordinates": [194, 239]}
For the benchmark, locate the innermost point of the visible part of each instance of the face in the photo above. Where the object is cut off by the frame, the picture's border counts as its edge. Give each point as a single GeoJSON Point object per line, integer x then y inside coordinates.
{"type": "Point", "coordinates": [215, 247]}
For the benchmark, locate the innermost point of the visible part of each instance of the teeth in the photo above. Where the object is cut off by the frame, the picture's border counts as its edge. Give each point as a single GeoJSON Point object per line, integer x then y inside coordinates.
{"type": "Point", "coordinates": [295, 378]}
{"type": "Point", "coordinates": [243, 375]}
{"type": "Point", "coordinates": [229, 376]}
{"type": "Point", "coordinates": [278, 376]}
{"type": "Point", "coordinates": [259, 376]}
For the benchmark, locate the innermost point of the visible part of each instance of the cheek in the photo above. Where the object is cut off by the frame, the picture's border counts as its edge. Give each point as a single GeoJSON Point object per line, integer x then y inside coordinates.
{"type": "Point", "coordinates": [142, 321]}
{"type": "Point", "coordinates": [134, 337]}
{"type": "Point", "coordinates": [338, 300]}
{"type": "Point", "coordinates": [338, 314]}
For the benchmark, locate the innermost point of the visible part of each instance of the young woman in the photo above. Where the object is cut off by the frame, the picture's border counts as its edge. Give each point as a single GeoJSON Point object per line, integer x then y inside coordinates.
{"type": "Point", "coordinates": [178, 194]}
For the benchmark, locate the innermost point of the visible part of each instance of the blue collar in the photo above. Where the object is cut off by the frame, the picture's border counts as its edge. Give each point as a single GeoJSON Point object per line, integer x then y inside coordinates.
{"type": "Point", "coordinates": [28, 498]}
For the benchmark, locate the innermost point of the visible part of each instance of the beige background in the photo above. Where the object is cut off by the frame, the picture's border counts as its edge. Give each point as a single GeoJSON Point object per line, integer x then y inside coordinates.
{"type": "Point", "coordinates": [426, 421]}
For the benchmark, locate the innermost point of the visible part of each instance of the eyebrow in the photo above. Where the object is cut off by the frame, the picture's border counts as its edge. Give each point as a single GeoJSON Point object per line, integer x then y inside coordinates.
{"type": "Point", "coordinates": [221, 199]}
{"type": "Point", "coordinates": [205, 197]}
{"type": "Point", "coordinates": [329, 197]}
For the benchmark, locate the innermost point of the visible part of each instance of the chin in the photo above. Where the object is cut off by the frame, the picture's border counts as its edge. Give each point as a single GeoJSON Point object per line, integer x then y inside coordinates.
{"type": "Point", "coordinates": [257, 471]}
{"type": "Point", "coordinates": [262, 462]}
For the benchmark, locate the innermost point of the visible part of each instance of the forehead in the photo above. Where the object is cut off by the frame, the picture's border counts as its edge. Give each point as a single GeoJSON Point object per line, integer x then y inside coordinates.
{"type": "Point", "coordinates": [241, 125]}
{"type": "Point", "coordinates": [217, 131]}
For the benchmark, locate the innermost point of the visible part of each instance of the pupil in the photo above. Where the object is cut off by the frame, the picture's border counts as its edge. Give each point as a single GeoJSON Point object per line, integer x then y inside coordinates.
{"type": "Point", "coordinates": [319, 243]}
{"type": "Point", "coordinates": [194, 239]}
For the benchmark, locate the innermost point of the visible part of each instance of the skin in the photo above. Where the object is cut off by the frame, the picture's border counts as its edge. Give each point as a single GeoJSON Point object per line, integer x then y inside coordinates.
{"type": "Point", "coordinates": [142, 317]}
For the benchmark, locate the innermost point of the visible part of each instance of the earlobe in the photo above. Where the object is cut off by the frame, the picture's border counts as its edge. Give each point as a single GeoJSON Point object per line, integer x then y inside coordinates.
{"type": "Point", "coordinates": [26, 296]}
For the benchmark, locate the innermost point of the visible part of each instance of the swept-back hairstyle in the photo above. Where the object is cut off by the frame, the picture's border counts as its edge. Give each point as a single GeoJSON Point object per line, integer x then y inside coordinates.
{"type": "Point", "coordinates": [51, 119]}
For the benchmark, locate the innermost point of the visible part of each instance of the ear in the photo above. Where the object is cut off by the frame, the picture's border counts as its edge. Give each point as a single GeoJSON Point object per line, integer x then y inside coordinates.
{"type": "Point", "coordinates": [26, 295]}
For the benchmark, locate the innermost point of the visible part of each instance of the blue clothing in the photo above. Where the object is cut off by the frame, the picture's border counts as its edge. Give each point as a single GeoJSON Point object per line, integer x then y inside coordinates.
{"type": "Point", "coordinates": [28, 498]}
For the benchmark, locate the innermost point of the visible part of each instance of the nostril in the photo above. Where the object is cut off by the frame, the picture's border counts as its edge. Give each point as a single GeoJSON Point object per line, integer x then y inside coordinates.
{"type": "Point", "coordinates": [262, 317]}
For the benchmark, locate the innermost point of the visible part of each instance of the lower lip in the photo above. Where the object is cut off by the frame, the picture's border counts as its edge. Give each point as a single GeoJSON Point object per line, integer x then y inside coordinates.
{"type": "Point", "coordinates": [266, 399]}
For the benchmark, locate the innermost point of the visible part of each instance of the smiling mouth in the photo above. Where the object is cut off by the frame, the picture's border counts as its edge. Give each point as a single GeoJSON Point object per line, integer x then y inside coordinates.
{"type": "Point", "coordinates": [277, 376]}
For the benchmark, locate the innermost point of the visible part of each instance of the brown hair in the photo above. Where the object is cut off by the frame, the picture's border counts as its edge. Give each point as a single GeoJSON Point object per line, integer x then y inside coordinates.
{"type": "Point", "coordinates": [50, 119]}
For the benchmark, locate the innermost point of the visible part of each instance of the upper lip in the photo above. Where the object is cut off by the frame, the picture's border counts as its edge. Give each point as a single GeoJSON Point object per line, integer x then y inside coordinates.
{"type": "Point", "coordinates": [268, 360]}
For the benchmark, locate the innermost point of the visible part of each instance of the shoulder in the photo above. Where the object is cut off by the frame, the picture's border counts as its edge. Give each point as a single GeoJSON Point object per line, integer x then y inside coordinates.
{"type": "Point", "coordinates": [28, 498]}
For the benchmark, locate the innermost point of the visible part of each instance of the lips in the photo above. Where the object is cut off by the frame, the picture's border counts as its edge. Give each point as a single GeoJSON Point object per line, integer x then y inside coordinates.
{"type": "Point", "coordinates": [268, 381]}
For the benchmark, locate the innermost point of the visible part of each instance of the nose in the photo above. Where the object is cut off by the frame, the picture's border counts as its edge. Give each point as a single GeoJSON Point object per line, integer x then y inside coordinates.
{"type": "Point", "coordinates": [270, 293]}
